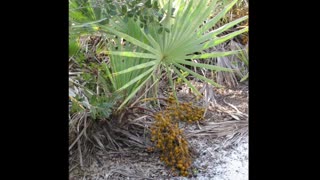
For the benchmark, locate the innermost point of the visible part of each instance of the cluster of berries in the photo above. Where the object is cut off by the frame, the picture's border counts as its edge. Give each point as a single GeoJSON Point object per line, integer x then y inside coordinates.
{"type": "Point", "coordinates": [169, 138]}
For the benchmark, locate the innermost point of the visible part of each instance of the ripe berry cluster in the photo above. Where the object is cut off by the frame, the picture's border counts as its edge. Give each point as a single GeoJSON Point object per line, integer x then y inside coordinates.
{"type": "Point", "coordinates": [183, 111]}
{"type": "Point", "coordinates": [169, 138]}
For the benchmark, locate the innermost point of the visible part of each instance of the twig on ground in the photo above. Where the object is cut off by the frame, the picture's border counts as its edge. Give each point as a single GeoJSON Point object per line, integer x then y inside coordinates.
{"type": "Point", "coordinates": [234, 107]}
{"type": "Point", "coordinates": [77, 139]}
{"type": "Point", "coordinates": [80, 154]}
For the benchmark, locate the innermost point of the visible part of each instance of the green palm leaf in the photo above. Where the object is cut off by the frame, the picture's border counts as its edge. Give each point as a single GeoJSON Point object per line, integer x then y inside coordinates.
{"type": "Point", "coordinates": [172, 47]}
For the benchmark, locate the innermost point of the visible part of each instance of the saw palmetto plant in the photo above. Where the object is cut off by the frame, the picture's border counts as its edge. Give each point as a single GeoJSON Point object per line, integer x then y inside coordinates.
{"type": "Point", "coordinates": [141, 44]}
{"type": "Point", "coordinates": [170, 45]}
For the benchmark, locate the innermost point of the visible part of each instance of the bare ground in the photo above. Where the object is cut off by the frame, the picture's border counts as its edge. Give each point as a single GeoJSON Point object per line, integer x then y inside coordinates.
{"type": "Point", "coordinates": [219, 144]}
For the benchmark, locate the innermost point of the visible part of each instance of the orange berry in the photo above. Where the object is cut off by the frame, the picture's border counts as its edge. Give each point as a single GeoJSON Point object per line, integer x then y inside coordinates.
{"type": "Point", "coordinates": [150, 149]}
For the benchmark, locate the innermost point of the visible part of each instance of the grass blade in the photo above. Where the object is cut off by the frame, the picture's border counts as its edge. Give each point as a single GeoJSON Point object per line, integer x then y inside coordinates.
{"type": "Point", "coordinates": [214, 20]}
{"type": "Point", "coordinates": [186, 81]}
{"type": "Point", "coordinates": [140, 66]}
{"type": "Point", "coordinates": [222, 39]}
{"type": "Point", "coordinates": [244, 77]}
{"type": "Point", "coordinates": [212, 55]}
{"type": "Point", "coordinates": [221, 29]}
{"type": "Point", "coordinates": [136, 79]}
{"type": "Point", "coordinates": [132, 54]}
{"type": "Point", "coordinates": [132, 40]}
{"type": "Point", "coordinates": [130, 96]}
{"type": "Point", "coordinates": [206, 66]}
{"type": "Point", "coordinates": [198, 75]}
